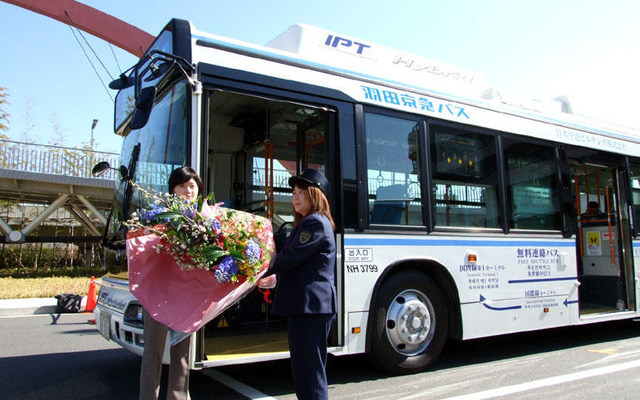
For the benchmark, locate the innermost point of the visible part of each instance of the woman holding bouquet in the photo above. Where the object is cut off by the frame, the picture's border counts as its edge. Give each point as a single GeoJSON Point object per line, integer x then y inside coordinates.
{"type": "Point", "coordinates": [306, 293]}
{"type": "Point", "coordinates": [183, 182]}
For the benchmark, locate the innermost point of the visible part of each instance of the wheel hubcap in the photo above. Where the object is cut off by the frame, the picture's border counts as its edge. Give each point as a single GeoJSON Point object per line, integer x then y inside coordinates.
{"type": "Point", "coordinates": [410, 325]}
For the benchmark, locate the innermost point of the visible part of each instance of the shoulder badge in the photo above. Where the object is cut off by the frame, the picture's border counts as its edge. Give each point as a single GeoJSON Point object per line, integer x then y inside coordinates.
{"type": "Point", "coordinates": [305, 236]}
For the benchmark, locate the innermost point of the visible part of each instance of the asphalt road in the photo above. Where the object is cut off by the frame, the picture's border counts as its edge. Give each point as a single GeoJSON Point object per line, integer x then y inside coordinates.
{"type": "Point", "coordinates": [44, 358]}
{"type": "Point", "coordinates": [41, 358]}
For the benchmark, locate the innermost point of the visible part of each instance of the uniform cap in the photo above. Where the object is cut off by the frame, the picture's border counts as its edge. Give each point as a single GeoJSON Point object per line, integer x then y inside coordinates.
{"type": "Point", "coordinates": [311, 177]}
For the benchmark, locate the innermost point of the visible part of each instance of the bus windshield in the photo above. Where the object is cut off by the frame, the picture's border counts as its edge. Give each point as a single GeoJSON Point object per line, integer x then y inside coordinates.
{"type": "Point", "coordinates": [152, 152]}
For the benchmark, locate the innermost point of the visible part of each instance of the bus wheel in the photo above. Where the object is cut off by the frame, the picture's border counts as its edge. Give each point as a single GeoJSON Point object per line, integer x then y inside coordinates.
{"type": "Point", "coordinates": [410, 324]}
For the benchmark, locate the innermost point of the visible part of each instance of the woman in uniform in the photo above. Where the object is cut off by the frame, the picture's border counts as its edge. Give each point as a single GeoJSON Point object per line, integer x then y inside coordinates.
{"type": "Point", "coordinates": [306, 293]}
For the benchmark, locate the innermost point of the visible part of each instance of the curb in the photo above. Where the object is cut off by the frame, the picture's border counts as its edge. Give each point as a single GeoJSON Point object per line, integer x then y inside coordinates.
{"type": "Point", "coordinates": [13, 307]}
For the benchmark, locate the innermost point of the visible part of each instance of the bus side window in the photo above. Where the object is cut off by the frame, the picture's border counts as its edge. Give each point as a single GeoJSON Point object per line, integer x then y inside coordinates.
{"type": "Point", "coordinates": [465, 180]}
{"type": "Point", "coordinates": [532, 185]}
{"type": "Point", "coordinates": [393, 170]}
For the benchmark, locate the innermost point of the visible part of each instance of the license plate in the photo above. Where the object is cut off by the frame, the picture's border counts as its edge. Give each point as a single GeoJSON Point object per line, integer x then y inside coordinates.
{"type": "Point", "coordinates": [105, 325]}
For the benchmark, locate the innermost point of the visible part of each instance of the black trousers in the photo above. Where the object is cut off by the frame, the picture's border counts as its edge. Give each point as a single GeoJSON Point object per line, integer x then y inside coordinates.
{"type": "Point", "coordinates": [308, 335]}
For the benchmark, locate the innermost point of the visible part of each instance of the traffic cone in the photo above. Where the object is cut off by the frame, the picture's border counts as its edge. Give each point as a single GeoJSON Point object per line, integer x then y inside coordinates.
{"type": "Point", "coordinates": [92, 296]}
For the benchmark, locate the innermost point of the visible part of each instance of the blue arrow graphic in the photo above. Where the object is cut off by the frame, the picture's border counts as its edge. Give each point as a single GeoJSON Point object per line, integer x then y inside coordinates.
{"type": "Point", "coordinates": [483, 299]}
{"type": "Point", "coordinates": [567, 302]}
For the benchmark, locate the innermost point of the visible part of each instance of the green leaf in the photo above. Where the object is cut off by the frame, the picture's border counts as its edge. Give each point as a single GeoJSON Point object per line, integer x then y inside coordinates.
{"type": "Point", "coordinates": [236, 254]}
{"type": "Point", "coordinates": [213, 253]}
{"type": "Point", "coordinates": [200, 201]}
{"type": "Point", "coordinates": [170, 215]}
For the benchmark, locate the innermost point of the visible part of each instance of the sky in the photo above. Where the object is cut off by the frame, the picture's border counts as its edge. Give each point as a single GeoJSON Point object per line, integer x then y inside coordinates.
{"type": "Point", "coordinates": [536, 49]}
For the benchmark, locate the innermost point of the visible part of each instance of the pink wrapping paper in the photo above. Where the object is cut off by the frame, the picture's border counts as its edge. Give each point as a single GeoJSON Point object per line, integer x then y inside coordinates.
{"type": "Point", "coordinates": [182, 300]}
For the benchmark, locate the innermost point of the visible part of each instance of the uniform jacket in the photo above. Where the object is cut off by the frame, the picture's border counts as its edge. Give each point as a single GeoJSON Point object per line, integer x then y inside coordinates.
{"type": "Point", "coordinates": [306, 269]}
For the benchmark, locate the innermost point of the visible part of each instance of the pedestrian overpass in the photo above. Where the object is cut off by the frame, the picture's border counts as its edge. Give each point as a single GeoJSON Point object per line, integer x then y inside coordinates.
{"type": "Point", "coordinates": [45, 179]}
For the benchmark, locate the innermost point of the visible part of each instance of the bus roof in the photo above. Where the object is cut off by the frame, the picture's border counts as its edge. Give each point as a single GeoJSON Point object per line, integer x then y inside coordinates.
{"type": "Point", "coordinates": [344, 55]}
{"type": "Point", "coordinates": [348, 53]}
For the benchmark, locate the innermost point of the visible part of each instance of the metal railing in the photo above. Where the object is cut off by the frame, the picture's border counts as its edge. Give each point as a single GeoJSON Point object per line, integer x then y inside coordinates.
{"type": "Point", "coordinates": [54, 160]}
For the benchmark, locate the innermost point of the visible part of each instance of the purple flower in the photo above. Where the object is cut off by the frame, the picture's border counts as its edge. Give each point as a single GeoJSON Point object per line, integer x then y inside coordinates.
{"type": "Point", "coordinates": [150, 215]}
{"type": "Point", "coordinates": [226, 269]}
{"type": "Point", "coordinates": [253, 252]}
{"type": "Point", "coordinates": [190, 210]}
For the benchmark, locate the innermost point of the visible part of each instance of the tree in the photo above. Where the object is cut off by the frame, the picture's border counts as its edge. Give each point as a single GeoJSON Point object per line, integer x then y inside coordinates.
{"type": "Point", "coordinates": [58, 133]}
{"type": "Point", "coordinates": [29, 125]}
{"type": "Point", "coordinates": [4, 117]}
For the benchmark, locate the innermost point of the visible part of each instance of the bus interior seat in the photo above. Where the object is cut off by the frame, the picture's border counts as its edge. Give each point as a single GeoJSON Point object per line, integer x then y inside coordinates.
{"type": "Point", "coordinates": [388, 205]}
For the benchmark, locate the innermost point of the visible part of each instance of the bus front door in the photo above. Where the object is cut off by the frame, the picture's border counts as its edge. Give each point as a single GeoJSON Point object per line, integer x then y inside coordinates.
{"type": "Point", "coordinates": [255, 144]}
{"type": "Point", "coordinates": [605, 265]}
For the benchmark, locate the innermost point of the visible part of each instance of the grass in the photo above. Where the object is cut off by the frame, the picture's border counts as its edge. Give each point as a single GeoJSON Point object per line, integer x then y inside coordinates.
{"type": "Point", "coordinates": [22, 288]}
{"type": "Point", "coordinates": [24, 283]}
{"type": "Point", "coordinates": [22, 277]}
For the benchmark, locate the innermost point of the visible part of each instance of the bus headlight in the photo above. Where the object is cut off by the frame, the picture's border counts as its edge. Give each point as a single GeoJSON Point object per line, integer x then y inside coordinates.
{"type": "Point", "coordinates": [133, 315]}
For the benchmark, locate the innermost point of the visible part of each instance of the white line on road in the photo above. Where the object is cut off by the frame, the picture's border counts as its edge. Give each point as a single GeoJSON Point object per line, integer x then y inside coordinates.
{"type": "Point", "coordinates": [236, 385]}
{"type": "Point", "coordinates": [556, 380]}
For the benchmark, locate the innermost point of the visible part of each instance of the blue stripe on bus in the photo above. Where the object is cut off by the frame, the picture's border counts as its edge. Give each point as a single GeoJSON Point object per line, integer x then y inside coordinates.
{"type": "Point", "coordinates": [543, 280]}
{"type": "Point", "coordinates": [453, 242]}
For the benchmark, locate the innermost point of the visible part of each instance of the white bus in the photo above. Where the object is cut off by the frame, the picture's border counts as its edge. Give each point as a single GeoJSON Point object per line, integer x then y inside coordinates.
{"type": "Point", "coordinates": [459, 215]}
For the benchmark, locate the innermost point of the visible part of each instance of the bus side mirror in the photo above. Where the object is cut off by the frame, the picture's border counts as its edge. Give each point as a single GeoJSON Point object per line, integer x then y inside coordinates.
{"type": "Point", "coordinates": [100, 169]}
{"type": "Point", "coordinates": [144, 104]}
{"type": "Point", "coordinates": [103, 167]}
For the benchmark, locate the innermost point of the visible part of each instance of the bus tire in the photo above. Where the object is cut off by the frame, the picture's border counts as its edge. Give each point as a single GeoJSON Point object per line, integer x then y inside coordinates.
{"type": "Point", "coordinates": [410, 324]}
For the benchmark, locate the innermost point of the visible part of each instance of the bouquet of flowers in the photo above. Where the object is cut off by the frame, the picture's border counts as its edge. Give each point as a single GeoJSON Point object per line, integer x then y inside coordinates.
{"type": "Point", "coordinates": [188, 262]}
{"type": "Point", "coordinates": [233, 244]}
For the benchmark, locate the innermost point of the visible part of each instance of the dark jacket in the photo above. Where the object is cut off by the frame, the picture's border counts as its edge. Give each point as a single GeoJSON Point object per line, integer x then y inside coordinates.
{"type": "Point", "coordinates": [306, 269]}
